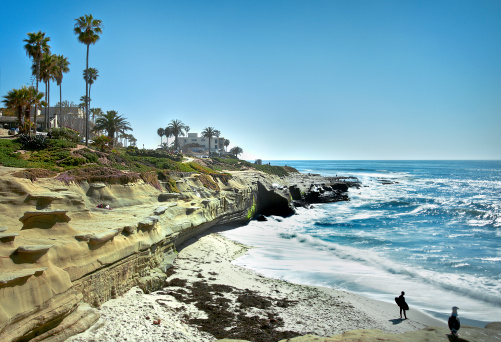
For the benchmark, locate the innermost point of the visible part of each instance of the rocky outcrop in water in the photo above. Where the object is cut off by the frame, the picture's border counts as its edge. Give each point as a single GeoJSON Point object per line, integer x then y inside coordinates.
{"type": "Point", "coordinates": [309, 189]}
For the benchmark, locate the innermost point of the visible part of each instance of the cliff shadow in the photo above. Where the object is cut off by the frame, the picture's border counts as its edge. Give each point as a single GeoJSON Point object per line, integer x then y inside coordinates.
{"type": "Point", "coordinates": [214, 229]}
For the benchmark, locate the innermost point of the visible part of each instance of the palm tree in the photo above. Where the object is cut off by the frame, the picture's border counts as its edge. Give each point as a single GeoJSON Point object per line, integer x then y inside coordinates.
{"type": "Point", "coordinates": [112, 123]}
{"type": "Point", "coordinates": [48, 71]}
{"type": "Point", "coordinates": [217, 134]}
{"type": "Point", "coordinates": [176, 129]}
{"type": "Point", "coordinates": [88, 29]}
{"type": "Point", "coordinates": [16, 100]}
{"type": "Point", "coordinates": [83, 101]}
{"type": "Point", "coordinates": [128, 139]}
{"type": "Point", "coordinates": [61, 68]}
{"type": "Point", "coordinates": [221, 144]}
{"type": "Point", "coordinates": [209, 133]}
{"type": "Point", "coordinates": [90, 75]}
{"type": "Point", "coordinates": [160, 133]}
{"type": "Point", "coordinates": [236, 151]}
{"type": "Point", "coordinates": [167, 134]}
{"type": "Point", "coordinates": [123, 137]}
{"type": "Point", "coordinates": [33, 98]}
{"type": "Point", "coordinates": [36, 45]}
{"type": "Point", "coordinates": [21, 101]}
{"type": "Point", "coordinates": [132, 140]}
{"type": "Point", "coordinates": [96, 112]}
{"type": "Point", "coordinates": [226, 144]}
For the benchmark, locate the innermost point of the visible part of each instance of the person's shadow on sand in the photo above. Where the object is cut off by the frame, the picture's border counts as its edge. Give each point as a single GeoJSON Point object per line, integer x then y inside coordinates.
{"type": "Point", "coordinates": [397, 320]}
{"type": "Point", "coordinates": [453, 338]}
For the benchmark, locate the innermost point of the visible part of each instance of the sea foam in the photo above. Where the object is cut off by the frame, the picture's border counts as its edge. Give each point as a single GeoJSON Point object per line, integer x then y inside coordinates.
{"type": "Point", "coordinates": [433, 233]}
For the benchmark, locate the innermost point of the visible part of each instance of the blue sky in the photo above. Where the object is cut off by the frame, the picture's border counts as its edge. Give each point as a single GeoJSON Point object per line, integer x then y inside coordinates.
{"type": "Point", "coordinates": [285, 79]}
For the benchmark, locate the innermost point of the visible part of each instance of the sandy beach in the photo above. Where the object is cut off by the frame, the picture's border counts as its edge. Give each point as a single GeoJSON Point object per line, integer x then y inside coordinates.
{"type": "Point", "coordinates": [207, 298]}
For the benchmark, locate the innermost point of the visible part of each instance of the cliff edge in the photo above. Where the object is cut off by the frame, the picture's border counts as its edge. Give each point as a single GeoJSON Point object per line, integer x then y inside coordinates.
{"type": "Point", "coordinates": [67, 248]}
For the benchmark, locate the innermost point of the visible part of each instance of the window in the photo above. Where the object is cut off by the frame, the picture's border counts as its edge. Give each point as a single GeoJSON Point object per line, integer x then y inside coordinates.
{"type": "Point", "coordinates": [203, 140]}
{"type": "Point", "coordinates": [194, 140]}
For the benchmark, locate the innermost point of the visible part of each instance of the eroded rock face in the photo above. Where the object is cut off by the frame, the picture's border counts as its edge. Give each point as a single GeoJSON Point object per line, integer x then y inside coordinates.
{"type": "Point", "coordinates": [7, 237]}
{"type": "Point", "coordinates": [103, 237]}
{"type": "Point", "coordinates": [45, 218]}
{"type": "Point", "coordinates": [148, 223]}
{"type": "Point", "coordinates": [43, 200]}
{"type": "Point", "coordinates": [61, 251]}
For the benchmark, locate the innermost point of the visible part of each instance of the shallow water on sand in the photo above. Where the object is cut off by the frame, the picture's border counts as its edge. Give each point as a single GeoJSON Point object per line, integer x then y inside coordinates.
{"type": "Point", "coordinates": [434, 232]}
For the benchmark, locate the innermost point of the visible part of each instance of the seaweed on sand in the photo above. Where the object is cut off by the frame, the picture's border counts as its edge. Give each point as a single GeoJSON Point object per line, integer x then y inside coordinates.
{"type": "Point", "coordinates": [232, 319]}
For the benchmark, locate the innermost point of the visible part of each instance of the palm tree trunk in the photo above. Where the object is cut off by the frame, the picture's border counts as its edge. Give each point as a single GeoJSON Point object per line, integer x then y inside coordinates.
{"type": "Point", "coordinates": [60, 100]}
{"type": "Point", "coordinates": [36, 106]}
{"type": "Point", "coordinates": [27, 114]}
{"type": "Point", "coordinates": [47, 122]}
{"type": "Point", "coordinates": [45, 109]}
{"type": "Point", "coordinates": [20, 115]}
{"type": "Point", "coordinates": [87, 101]}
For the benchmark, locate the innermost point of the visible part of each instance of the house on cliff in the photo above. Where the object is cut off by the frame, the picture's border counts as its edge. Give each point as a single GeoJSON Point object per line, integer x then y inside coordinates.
{"type": "Point", "coordinates": [199, 146]}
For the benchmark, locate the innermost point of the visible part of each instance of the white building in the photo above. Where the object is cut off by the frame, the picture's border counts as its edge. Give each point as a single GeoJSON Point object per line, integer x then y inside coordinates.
{"type": "Point", "coordinates": [193, 144]}
{"type": "Point", "coordinates": [69, 117]}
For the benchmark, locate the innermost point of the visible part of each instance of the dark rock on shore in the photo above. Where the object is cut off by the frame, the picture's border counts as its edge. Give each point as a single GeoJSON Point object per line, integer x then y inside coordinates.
{"type": "Point", "coordinates": [273, 202]}
{"type": "Point", "coordinates": [312, 189]}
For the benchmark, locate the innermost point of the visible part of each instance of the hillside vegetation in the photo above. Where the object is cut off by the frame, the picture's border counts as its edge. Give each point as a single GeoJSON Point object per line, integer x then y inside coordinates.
{"type": "Point", "coordinates": [63, 158]}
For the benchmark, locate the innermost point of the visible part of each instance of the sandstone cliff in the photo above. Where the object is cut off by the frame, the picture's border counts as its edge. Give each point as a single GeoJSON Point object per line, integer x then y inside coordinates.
{"type": "Point", "coordinates": [61, 255]}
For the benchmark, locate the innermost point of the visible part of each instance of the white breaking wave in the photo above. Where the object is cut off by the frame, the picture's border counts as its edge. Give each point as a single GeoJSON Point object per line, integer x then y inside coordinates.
{"type": "Point", "coordinates": [283, 252]}
{"type": "Point", "coordinates": [430, 231]}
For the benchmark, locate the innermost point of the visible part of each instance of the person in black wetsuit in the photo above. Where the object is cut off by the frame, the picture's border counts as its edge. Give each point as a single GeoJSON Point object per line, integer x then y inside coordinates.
{"type": "Point", "coordinates": [403, 305]}
{"type": "Point", "coordinates": [454, 323]}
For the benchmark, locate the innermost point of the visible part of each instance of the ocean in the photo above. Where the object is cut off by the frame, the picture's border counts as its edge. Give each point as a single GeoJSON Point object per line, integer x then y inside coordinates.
{"type": "Point", "coordinates": [429, 228]}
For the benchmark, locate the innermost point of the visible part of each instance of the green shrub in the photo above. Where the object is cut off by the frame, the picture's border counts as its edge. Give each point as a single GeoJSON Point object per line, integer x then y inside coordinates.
{"type": "Point", "coordinates": [8, 155]}
{"type": "Point", "coordinates": [57, 144]}
{"type": "Point", "coordinates": [103, 143]}
{"type": "Point", "coordinates": [91, 157]}
{"type": "Point", "coordinates": [272, 169]}
{"type": "Point", "coordinates": [65, 134]}
{"type": "Point", "coordinates": [36, 142]}
{"type": "Point", "coordinates": [73, 161]}
{"type": "Point", "coordinates": [58, 154]}
{"type": "Point", "coordinates": [134, 151]}
{"type": "Point", "coordinates": [200, 168]}
{"type": "Point", "coordinates": [47, 156]}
